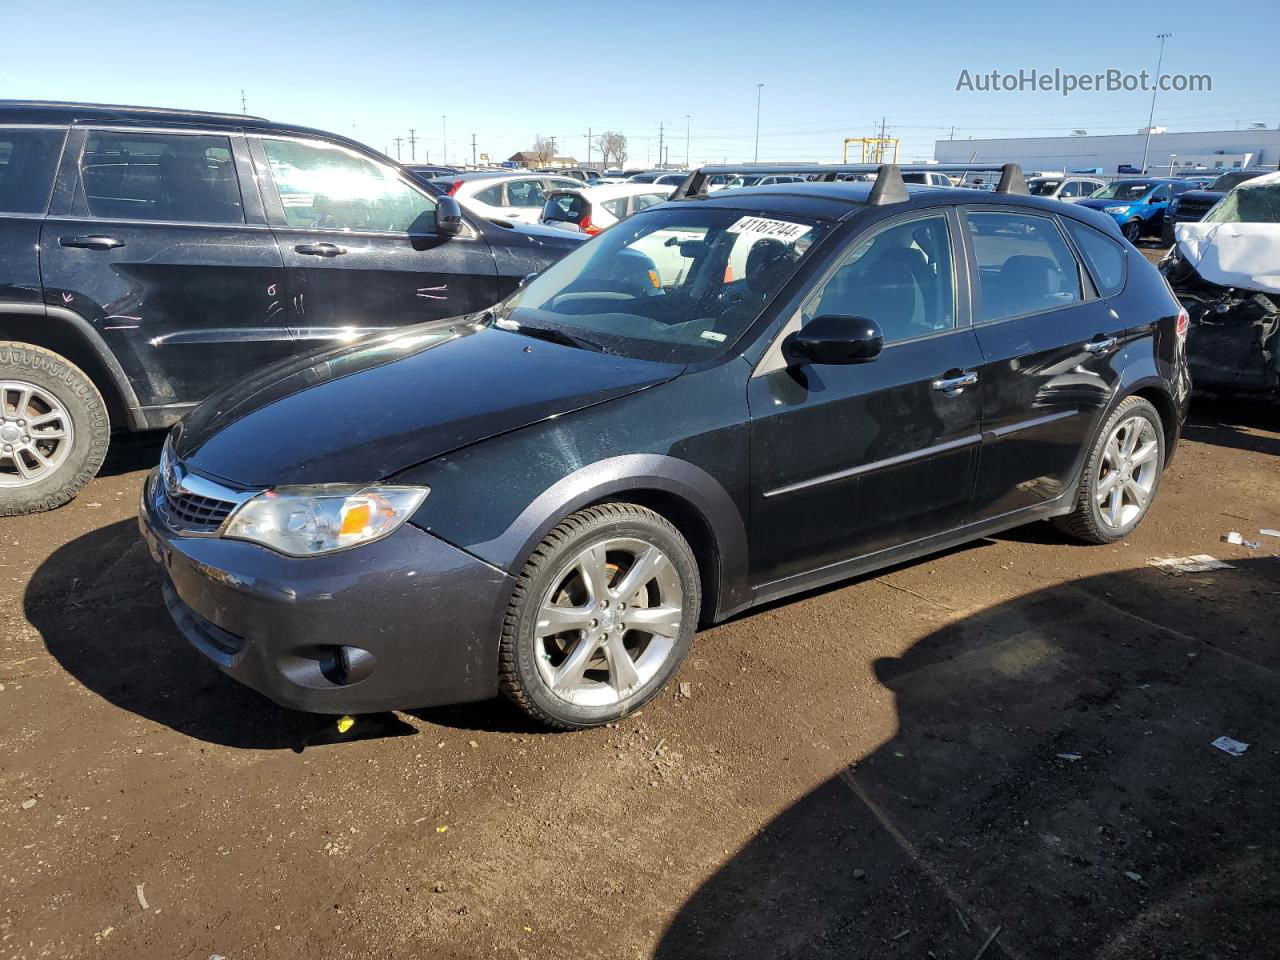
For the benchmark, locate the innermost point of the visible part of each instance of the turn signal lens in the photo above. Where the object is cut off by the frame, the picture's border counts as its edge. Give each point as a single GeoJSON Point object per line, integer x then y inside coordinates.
{"type": "Point", "coordinates": [306, 521]}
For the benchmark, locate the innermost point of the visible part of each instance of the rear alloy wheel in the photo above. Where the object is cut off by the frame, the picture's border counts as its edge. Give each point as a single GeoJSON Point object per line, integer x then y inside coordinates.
{"type": "Point", "coordinates": [601, 617]}
{"type": "Point", "coordinates": [54, 429]}
{"type": "Point", "coordinates": [1121, 475]}
{"type": "Point", "coordinates": [1132, 231]}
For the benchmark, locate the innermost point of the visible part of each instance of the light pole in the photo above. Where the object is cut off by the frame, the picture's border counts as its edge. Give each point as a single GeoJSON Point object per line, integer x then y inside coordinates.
{"type": "Point", "coordinates": [759, 88]}
{"type": "Point", "coordinates": [1172, 158]}
{"type": "Point", "coordinates": [686, 141]}
{"type": "Point", "coordinates": [444, 139]}
{"type": "Point", "coordinates": [1162, 37]}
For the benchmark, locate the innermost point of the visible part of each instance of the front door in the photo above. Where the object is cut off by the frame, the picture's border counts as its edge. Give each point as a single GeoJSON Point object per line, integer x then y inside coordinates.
{"type": "Point", "coordinates": [849, 460]}
{"type": "Point", "coordinates": [157, 247]}
{"type": "Point", "coordinates": [1051, 352]}
{"type": "Point", "coordinates": [360, 246]}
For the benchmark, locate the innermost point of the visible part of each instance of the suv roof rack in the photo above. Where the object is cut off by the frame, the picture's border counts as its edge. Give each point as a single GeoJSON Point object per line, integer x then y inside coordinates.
{"type": "Point", "coordinates": [111, 107]}
{"type": "Point", "coordinates": [889, 186]}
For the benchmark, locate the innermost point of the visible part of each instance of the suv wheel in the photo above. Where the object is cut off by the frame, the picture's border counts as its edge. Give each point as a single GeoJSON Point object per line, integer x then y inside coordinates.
{"type": "Point", "coordinates": [54, 429]}
{"type": "Point", "coordinates": [1121, 476]}
{"type": "Point", "coordinates": [1132, 231]}
{"type": "Point", "coordinates": [600, 617]}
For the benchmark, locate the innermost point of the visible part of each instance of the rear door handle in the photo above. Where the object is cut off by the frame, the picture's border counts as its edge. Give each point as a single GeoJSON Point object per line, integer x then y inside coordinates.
{"type": "Point", "coordinates": [953, 386]}
{"type": "Point", "coordinates": [1101, 346]}
{"type": "Point", "coordinates": [91, 243]}
{"type": "Point", "coordinates": [320, 249]}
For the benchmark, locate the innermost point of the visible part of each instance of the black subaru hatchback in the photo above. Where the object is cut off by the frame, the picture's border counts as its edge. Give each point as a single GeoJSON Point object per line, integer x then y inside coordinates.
{"type": "Point", "coordinates": [724, 400]}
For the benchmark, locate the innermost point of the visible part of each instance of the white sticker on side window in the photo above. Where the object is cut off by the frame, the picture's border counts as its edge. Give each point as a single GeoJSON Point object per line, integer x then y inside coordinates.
{"type": "Point", "coordinates": [777, 229]}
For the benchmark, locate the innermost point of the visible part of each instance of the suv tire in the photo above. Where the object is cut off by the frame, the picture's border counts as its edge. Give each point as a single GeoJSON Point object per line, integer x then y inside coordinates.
{"type": "Point", "coordinates": [1121, 476]}
{"type": "Point", "coordinates": [54, 429]}
{"type": "Point", "coordinates": [605, 565]}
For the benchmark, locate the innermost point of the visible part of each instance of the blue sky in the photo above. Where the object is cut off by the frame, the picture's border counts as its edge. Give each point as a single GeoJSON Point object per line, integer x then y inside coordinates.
{"type": "Point", "coordinates": [509, 71]}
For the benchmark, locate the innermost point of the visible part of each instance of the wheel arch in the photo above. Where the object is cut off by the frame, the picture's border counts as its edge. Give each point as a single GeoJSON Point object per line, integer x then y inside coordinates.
{"type": "Point", "coordinates": [685, 494]}
{"type": "Point", "coordinates": [70, 335]}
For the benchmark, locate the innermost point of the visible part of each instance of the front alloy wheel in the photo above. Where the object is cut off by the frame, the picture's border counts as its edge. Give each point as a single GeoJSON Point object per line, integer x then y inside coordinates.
{"type": "Point", "coordinates": [1132, 231]}
{"type": "Point", "coordinates": [601, 616]}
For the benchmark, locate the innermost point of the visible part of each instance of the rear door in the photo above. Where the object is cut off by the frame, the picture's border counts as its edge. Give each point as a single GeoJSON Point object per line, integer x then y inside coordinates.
{"type": "Point", "coordinates": [1051, 357]}
{"type": "Point", "coordinates": [359, 243]}
{"type": "Point", "coordinates": [28, 163]}
{"type": "Point", "coordinates": [848, 460]}
{"type": "Point", "coordinates": [161, 244]}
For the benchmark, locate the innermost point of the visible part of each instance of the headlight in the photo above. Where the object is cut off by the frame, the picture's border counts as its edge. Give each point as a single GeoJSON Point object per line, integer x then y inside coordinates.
{"type": "Point", "coordinates": [306, 521]}
{"type": "Point", "coordinates": [1115, 209]}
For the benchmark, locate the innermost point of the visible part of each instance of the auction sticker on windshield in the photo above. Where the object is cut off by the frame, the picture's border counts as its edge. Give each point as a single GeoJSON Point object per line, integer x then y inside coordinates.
{"type": "Point", "coordinates": [777, 229]}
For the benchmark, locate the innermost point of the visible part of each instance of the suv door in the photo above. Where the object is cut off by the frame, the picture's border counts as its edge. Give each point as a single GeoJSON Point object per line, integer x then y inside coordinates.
{"type": "Point", "coordinates": [359, 243]}
{"type": "Point", "coordinates": [160, 243]}
{"type": "Point", "coordinates": [1051, 358]}
{"type": "Point", "coordinates": [851, 460]}
{"type": "Point", "coordinates": [28, 163]}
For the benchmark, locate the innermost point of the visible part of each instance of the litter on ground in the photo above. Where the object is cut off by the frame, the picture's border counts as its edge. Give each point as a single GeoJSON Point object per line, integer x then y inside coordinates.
{"type": "Point", "coordinates": [1227, 745]}
{"type": "Point", "coordinates": [1198, 563]}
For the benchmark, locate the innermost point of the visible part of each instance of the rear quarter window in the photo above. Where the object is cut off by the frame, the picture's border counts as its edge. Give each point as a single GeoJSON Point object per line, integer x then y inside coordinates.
{"type": "Point", "coordinates": [28, 162]}
{"type": "Point", "coordinates": [1103, 256]}
{"type": "Point", "coordinates": [491, 195]}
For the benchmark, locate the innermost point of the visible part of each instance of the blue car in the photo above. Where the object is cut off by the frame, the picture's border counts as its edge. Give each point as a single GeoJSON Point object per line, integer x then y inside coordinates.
{"type": "Point", "coordinates": [1138, 205]}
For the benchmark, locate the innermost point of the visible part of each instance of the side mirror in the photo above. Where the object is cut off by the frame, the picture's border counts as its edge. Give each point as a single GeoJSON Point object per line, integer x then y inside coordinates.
{"type": "Point", "coordinates": [835, 338]}
{"type": "Point", "coordinates": [448, 217]}
{"type": "Point", "coordinates": [526, 279]}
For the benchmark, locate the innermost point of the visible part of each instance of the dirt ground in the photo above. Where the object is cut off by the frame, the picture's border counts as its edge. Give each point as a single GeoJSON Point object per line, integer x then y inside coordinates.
{"type": "Point", "coordinates": [1006, 746]}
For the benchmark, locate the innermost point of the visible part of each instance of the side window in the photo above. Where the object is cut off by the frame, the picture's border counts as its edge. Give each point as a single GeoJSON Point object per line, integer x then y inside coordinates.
{"type": "Point", "coordinates": [525, 193]}
{"type": "Point", "coordinates": [900, 277]}
{"type": "Point", "coordinates": [328, 188]}
{"type": "Point", "coordinates": [1103, 255]}
{"type": "Point", "coordinates": [617, 207]}
{"type": "Point", "coordinates": [1024, 265]}
{"type": "Point", "coordinates": [643, 200]}
{"type": "Point", "coordinates": [491, 195]}
{"type": "Point", "coordinates": [28, 162]}
{"type": "Point", "coordinates": [1070, 189]}
{"type": "Point", "coordinates": [159, 176]}
{"type": "Point", "coordinates": [564, 184]}
{"type": "Point", "coordinates": [1161, 195]}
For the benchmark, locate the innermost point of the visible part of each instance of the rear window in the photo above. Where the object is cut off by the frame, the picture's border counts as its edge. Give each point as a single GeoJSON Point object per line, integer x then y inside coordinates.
{"type": "Point", "coordinates": [1104, 257]}
{"type": "Point", "coordinates": [28, 162]}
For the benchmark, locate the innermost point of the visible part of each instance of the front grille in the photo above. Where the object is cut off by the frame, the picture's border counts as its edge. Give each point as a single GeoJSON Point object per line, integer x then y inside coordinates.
{"type": "Point", "coordinates": [1193, 209]}
{"type": "Point", "coordinates": [187, 511]}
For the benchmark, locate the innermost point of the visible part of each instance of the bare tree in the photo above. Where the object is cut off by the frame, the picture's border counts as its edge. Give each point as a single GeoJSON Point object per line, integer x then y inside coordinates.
{"type": "Point", "coordinates": [613, 148]}
{"type": "Point", "coordinates": [544, 150]}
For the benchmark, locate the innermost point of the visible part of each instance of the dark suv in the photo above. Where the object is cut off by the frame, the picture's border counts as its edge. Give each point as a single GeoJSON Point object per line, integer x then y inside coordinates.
{"type": "Point", "coordinates": [148, 257]}
{"type": "Point", "coordinates": [723, 400]}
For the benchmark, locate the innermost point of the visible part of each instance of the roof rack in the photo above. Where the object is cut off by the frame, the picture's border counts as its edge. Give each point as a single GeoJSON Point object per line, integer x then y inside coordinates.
{"type": "Point", "coordinates": [111, 107]}
{"type": "Point", "coordinates": [889, 186]}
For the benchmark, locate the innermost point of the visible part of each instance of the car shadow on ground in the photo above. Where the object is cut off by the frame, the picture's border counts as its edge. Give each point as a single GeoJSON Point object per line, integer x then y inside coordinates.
{"type": "Point", "coordinates": [96, 602]}
{"type": "Point", "coordinates": [1052, 784]}
{"type": "Point", "coordinates": [1225, 421]}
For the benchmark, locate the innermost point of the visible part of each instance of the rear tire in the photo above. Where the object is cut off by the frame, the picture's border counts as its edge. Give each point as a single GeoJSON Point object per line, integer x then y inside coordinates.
{"type": "Point", "coordinates": [54, 429]}
{"type": "Point", "coordinates": [1121, 476]}
{"type": "Point", "coordinates": [600, 617]}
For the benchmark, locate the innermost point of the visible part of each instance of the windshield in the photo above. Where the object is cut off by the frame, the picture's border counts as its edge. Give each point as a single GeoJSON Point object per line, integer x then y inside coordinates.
{"type": "Point", "coordinates": [677, 285]}
{"type": "Point", "coordinates": [1043, 188]}
{"type": "Point", "coordinates": [1229, 180]}
{"type": "Point", "coordinates": [1248, 205]}
{"type": "Point", "coordinates": [1125, 190]}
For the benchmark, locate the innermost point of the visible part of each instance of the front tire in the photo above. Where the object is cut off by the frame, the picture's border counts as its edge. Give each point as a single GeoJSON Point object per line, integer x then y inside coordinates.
{"type": "Point", "coordinates": [600, 617]}
{"type": "Point", "coordinates": [1132, 231]}
{"type": "Point", "coordinates": [1119, 480]}
{"type": "Point", "coordinates": [54, 429]}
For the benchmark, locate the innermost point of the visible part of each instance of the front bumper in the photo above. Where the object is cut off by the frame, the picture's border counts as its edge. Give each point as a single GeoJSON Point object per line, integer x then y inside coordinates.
{"type": "Point", "coordinates": [420, 619]}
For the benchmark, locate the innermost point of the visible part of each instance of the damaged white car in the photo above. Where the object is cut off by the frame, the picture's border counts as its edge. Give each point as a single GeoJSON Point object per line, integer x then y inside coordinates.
{"type": "Point", "coordinates": [1226, 272]}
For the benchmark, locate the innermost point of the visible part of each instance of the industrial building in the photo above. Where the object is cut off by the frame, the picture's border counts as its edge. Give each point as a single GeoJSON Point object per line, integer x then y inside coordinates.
{"type": "Point", "coordinates": [1209, 150]}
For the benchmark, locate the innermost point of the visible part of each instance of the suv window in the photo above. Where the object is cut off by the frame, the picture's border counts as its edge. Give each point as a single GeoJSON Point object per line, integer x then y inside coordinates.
{"type": "Point", "coordinates": [1104, 256]}
{"type": "Point", "coordinates": [1024, 265]}
{"type": "Point", "coordinates": [159, 176]}
{"type": "Point", "coordinates": [491, 195]}
{"type": "Point", "coordinates": [617, 207]}
{"type": "Point", "coordinates": [525, 193]}
{"type": "Point", "coordinates": [1070, 189]}
{"type": "Point", "coordinates": [900, 277]}
{"type": "Point", "coordinates": [329, 188]}
{"type": "Point", "coordinates": [28, 162]}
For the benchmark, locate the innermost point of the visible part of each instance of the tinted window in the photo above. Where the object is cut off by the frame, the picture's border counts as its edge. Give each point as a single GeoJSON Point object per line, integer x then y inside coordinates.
{"type": "Point", "coordinates": [143, 176]}
{"type": "Point", "coordinates": [1070, 189]}
{"type": "Point", "coordinates": [645, 200]}
{"type": "Point", "coordinates": [1161, 195]}
{"type": "Point", "coordinates": [901, 278]}
{"type": "Point", "coordinates": [491, 195]}
{"type": "Point", "coordinates": [1024, 265]}
{"type": "Point", "coordinates": [1103, 256]}
{"type": "Point", "coordinates": [525, 193]}
{"type": "Point", "coordinates": [329, 188]}
{"type": "Point", "coordinates": [617, 207]}
{"type": "Point", "coordinates": [28, 162]}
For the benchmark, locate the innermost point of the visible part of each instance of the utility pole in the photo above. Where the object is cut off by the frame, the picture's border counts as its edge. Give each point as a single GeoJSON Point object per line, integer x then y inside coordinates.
{"type": "Point", "coordinates": [244, 105]}
{"type": "Point", "coordinates": [660, 163]}
{"type": "Point", "coordinates": [444, 138]}
{"type": "Point", "coordinates": [759, 89]}
{"type": "Point", "coordinates": [588, 146]}
{"type": "Point", "coordinates": [1155, 88]}
{"type": "Point", "coordinates": [686, 141]}
{"type": "Point", "coordinates": [413, 142]}
{"type": "Point", "coordinates": [953, 134]}
{"type": "Point", "coordinates": [397, 141]}
{"type": "Point", "coordinates": [473, 149]}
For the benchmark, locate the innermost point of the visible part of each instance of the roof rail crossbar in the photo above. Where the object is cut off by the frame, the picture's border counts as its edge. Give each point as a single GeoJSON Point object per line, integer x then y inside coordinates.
{"type": "Point", "coordinates": [1012, 180]}
{"type": "Point", "coordinates": [695, 184]}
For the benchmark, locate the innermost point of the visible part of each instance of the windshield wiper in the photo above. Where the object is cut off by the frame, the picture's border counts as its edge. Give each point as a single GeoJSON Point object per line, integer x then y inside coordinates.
{"type": "Point", "coordinates": [551, 334]}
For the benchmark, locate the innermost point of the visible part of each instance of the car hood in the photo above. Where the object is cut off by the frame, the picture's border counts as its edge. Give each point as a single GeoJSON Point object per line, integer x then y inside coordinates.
{"type": "Point", "coordinates": [1240, 255]}
{"type": "Point", "coordinates": [1212, 196]}
{"type": "Point", "coordinates": [1095, 204]}
{"type": "Point", "coordinates": [361, 412]}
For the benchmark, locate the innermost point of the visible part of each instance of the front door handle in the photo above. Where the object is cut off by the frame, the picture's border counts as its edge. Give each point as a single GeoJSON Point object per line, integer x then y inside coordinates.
{"type": "Point", "coordinates": [91, 243]}
{"type": "Point", "coordinates": [1099, 346]}
{"type": "Point", "coordinates": [320, 249]}
{"type": "Point", "coordinates": [954, 386]}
